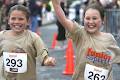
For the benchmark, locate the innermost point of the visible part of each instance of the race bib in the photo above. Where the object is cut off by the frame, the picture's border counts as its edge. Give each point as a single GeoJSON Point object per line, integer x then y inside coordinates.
{"type": "Point", "coordinates": [15, 62]}
{"type": "Point", "coordinates": [95, 73]}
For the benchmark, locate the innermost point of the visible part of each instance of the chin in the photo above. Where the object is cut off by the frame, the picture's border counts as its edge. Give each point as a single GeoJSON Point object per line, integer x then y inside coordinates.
{"type": "Point", "coordinates": [91, 31]}
{"type": "Point", "coordinates": [17, 31]}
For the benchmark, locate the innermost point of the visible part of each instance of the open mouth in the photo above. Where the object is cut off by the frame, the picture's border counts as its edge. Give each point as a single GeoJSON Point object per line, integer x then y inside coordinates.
{"type": "Point", "coordinates": [91, 26]}
{"type": "Point", "coordinates": [17, 26]}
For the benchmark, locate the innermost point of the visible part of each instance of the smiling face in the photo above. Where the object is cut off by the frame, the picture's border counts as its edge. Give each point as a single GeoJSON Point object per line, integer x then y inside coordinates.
{"type": "Point", "coordinates": [18, 21]}
{"type": "Point", "coordinates": [92, 20]}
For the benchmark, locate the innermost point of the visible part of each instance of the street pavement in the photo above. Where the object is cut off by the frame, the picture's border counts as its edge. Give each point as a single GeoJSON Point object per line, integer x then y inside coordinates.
{"type": "Point", "coordinates": [56, 72]}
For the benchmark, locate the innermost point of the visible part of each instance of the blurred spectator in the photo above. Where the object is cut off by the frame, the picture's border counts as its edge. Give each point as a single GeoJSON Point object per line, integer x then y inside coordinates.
{"type": "Point", "coordinates": [61, 30]}
{"type": "Point", "coordinates": [40, 7]}
{"type": "Point", "coordinates": [118, 2]}
{"type": "Point", "coordinates": [1, 4]}
{"type": "Point", "coordinates": [35, 9]}
{"type": "Point", "coordinates": [23, 2]}
{"type": "Point", "coordinates": [49, 14]}
{"type": "Point", "coordinates": [108, 4]}
{"type": "Point", "coordinates": [5, 7]}
{"type": "Point", "coordinates": [112, 16]}
{"type": "Point", "coordinates": [77, 13]}
{"type": "Point", "coordinates": [8, 5]}
{"type": "Point", "coordinates": [48, 7]}
{"type": "Point", "coordinates": [39, 16]}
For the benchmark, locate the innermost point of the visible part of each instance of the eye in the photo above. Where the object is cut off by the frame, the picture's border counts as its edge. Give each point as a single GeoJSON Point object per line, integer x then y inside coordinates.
{"type": "Point", "coordinates": [21, 18]}
{"type": "Point", "coordinates": [87, 18]}
{"type": "Point", "coordinates": [94, 18]}
{"type": "Point", "coordinates": [13, 18]}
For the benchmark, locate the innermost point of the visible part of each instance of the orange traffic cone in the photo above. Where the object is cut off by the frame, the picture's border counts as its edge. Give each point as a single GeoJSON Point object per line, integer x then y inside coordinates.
{"type": "Point", "coordinates": [54, 42]}
{"type": "Point", "coordinates": [69, 69]}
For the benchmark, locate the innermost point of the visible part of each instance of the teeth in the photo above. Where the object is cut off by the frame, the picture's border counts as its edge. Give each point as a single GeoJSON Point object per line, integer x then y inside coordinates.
{"type": "Point", "coordinates": [91, 26]}
{"type": "Point", "coordinates": [16, 26]}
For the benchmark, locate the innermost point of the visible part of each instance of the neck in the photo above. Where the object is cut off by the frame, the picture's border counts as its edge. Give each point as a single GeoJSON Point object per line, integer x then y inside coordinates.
{"type": "Point", "coordinates": [16, 33]}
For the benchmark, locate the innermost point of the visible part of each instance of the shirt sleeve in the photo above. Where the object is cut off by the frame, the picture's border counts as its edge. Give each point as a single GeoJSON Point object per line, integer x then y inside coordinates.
{"type": "Point", "coordinates": [116, 51]}
{"type": "Point", "coordinates": [41, 49]}
{"type": "Point", "coordinates": [1, 33]}
{"type": "Point", "coordinates": [76, 34]}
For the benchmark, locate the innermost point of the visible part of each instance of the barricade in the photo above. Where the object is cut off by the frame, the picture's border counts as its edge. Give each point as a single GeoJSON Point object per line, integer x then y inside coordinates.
{"type": "Point", "coordinates": [112, 23]}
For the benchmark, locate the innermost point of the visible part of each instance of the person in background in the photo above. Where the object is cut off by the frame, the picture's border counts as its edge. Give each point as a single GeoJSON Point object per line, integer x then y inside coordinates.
{"type": "Point", "coordinates": [20, 47]}
{"type": "Point", "coordinates": [109, 4]}
{"type": "Point", "coordinates": [61, 30]}
{"type": "Point", "coordinates": [112, 15]}
{"type": "Point", "coordinates": [96, 50]}
{"type": "Point", "coordinates": [118, 2]}
{"type": "Point", "coordinates": [34, 9]}
{"type": "Point", "coordinates": [39, 15]}
{"type": "Point", "coordinates": [8, 5]}
{"type": "Point", "coordinates": [1, 17]}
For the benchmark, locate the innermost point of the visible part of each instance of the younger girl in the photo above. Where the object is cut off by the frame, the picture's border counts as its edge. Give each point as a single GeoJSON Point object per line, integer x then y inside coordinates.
{"type": "Point", "coordinates": [20, 47]}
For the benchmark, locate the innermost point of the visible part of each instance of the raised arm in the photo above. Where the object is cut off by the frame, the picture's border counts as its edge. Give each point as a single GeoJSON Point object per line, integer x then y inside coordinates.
{"type": "Point", "coordinates": [67, 23]}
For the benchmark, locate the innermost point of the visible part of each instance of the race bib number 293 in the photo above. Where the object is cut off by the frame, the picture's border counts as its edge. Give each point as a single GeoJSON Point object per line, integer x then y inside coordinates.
{"type": "Point", "coordinates": [15, 62]}
{"type": "Point", "coordinates": [95, 73]}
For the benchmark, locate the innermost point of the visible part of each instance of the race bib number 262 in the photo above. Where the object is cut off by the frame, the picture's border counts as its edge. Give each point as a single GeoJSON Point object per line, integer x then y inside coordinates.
{"type": "Point", "coordinates": [15, 62]}
{"type": "Point", "coordinates": [95, 73]}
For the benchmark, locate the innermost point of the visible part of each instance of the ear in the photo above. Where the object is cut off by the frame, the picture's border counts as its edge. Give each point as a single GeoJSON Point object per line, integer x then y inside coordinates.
{"type": "Point", "coordinates": [8, 22]}
{"type": "Point", "coordinates": [7, 18]}
{"type": "Point", "coordinates": [103, 23]}
{"type": "Point", "coordinates": [29, 21]}
{"type": "Point", "coordinates": [28, 24]}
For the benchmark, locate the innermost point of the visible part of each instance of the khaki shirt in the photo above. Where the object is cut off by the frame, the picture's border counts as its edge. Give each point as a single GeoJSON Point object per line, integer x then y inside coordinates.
{"type": "Point", "coordinates": [29, 43]}
{"type": "Point", "coordinates": [90, 46]}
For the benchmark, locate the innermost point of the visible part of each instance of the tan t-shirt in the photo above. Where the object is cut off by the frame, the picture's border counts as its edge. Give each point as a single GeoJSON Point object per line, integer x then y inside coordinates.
{"type": "Point", "coordinates": [29, 43]}
{"type": "Point", "coordinates": [100, 51]}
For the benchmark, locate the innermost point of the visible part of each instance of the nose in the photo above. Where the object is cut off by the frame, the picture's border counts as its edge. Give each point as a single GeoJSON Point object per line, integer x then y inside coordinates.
{"type": "Point", "coordinates": [91, 21]}
{"type": "Point", "coordinates": [16, 21]}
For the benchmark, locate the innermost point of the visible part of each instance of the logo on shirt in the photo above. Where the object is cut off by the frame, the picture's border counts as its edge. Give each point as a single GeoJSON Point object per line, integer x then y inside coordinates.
{"type": "Point", "coordinates": [99, 57]}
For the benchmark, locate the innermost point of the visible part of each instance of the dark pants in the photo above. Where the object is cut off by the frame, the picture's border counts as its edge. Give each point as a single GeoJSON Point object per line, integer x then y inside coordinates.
{"type": "Point", "coordinates": [61, 32]}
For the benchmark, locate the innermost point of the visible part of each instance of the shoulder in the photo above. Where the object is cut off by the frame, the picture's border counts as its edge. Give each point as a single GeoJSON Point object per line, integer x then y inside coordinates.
{"type": "Point", "coordinates": [109, 37]}
{"type": "Point", "coordinates": [106, 34]}
{"type": "Point", "coordinates": [2, 32]}
{"type": "Point", "coordinates": [77, 27]}
{"type": "Point", "coordinates": [33, 35]}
